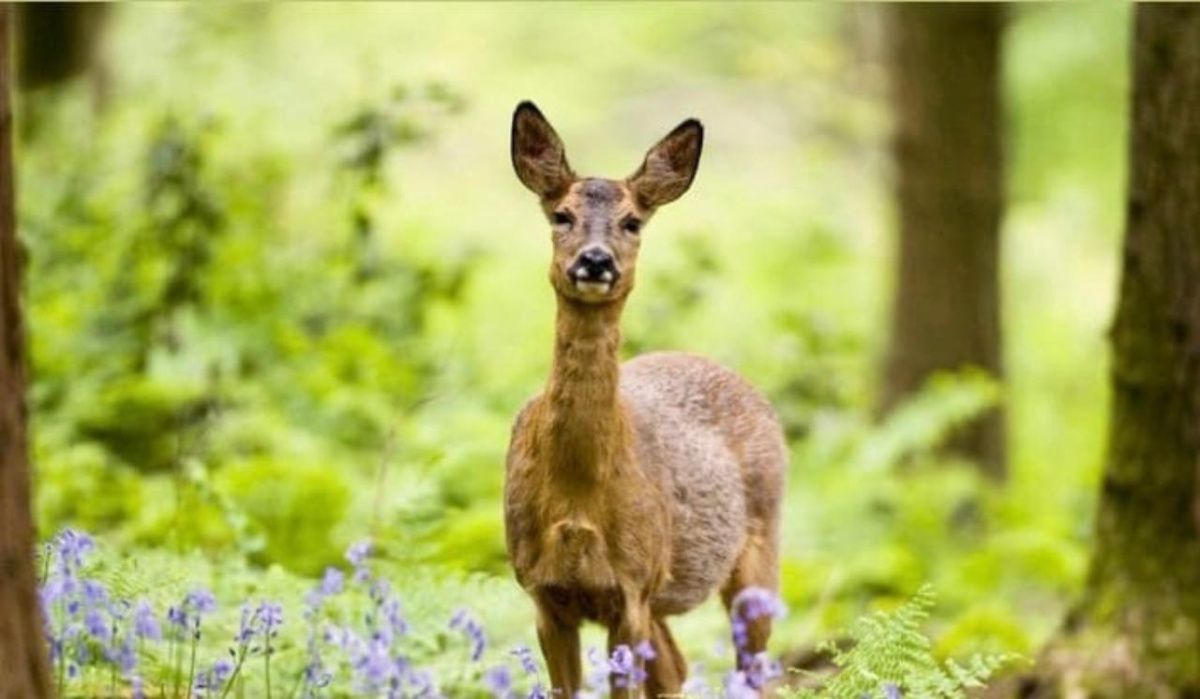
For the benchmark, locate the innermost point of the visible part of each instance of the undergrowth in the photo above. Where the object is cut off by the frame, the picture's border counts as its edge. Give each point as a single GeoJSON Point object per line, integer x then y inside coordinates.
{"type": "Point", "coordinates": [888, 656]}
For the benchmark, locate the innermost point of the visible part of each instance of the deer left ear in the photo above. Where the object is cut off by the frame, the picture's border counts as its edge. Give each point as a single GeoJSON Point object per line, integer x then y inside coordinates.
{"type": "Point", "coordinates": [669, 167]}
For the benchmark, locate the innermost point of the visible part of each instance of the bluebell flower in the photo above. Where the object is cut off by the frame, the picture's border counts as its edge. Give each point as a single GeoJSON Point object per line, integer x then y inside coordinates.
{"type": "Point", "coordinates": [525, 657]}
{"type": "Point", "coordinates": [145, 624]}
{"type": "Point", "coordinates": [696, 685]}
{"type": "Point", "coordinates": [737, 686]}
{"type": "Point", "coordinates": [331, 582]}
{"type": "Point", "coordinates": [209, 682]}
{"type": "Point", "coordinates": [464, 622]}
{"type": "Point", "coordinates": [761, 670]}
{"type": "Point", "coordinates": [422, 685]}
{"type": "Point", "coordinates": [622, 660]}
{"type": "Point", "coordinates": [625, 667]}
{"type": "Point", "coordinates": [645, 650]}
{"type": "Point", "coordinates": [201, 601]}
{"type": "Point", "coordinates": [598, 676]}
{"type": "Point", "coordinates": [72, 547]}
{"type": "Point", "coordinates": [395, 620]}
{"type": "Point", "coordinates": [247, 627]}
{"type": "Point", "coordinates": [95, 623]}
{"type": "Point", "coordinates": [94, 594]}
{"type": "Point", "coordinates": [123, 656]}
{"type": "Point", "coordinates": [270, 618]}
{"type": "Point", "coordinates": [750, 604]}
{"type": "Point", "coordinates": [891, 691]}
{"type": "Point", "coordinates": [176, 616]}
{"type": "Point", "coordinates": [498, 681]}
{"type": "Point", "coordinates": [358, 552]}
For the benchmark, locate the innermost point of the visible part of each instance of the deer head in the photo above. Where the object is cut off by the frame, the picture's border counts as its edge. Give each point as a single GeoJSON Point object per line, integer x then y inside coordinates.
{"type": "Point", "coordinates": [596, 223]}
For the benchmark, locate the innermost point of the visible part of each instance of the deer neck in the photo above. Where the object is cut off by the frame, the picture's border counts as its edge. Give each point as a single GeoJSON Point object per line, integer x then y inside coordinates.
{"type": "Point", "coordinates": [586, 425]}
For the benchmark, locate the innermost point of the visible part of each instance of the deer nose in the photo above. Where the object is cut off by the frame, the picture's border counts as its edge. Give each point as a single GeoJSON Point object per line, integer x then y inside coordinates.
{"type": "Point", "coordinates": [595, 265]}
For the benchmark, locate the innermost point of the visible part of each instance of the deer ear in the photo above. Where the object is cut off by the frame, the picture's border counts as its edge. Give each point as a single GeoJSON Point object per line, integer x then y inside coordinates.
{"type": "Point", "coordinates": [670, 166]}
{"type": "Point", "coordinates": [537, 153]}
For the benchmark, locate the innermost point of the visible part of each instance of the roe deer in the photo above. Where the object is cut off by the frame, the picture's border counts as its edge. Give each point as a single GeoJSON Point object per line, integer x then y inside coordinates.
{"type": "Point", "coordinates": [632, 492]}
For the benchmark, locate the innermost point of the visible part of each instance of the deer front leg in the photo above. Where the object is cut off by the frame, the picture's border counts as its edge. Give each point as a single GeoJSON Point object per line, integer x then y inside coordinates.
{"type": "Point", "coordinates": [632, 627]}
{"type": "Point", "coordinates": [559, 639]}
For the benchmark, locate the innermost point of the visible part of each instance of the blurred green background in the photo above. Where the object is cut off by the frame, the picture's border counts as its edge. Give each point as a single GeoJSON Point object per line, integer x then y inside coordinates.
{"type": "Point", "coordinates": [285, 291]}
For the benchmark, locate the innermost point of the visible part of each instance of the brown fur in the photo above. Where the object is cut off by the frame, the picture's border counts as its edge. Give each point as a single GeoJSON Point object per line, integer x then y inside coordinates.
{"type": "Point", "coordinates": [632, 491]}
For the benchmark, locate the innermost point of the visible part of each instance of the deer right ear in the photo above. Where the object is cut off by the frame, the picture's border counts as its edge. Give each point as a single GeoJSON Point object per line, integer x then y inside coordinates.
{"type": "Point", "coordinates": [537, 153]}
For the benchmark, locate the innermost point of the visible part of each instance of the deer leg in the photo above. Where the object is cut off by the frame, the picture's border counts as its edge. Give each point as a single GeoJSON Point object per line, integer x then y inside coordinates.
{"type": "Point", "coordinates": [559, 639]}
{"type": "Point", "coordinates": [667, 671]}
{"type": "Point", "coordinates": [756, 567]}
{"type": "Point", "coordinates": [633, 626]}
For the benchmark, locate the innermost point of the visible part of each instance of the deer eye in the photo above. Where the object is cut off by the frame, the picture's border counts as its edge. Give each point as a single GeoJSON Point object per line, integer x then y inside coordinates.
{"type": "Point", "coordinates": [631, 225]}
{"type": "Point", "coordinates": [562, 218]}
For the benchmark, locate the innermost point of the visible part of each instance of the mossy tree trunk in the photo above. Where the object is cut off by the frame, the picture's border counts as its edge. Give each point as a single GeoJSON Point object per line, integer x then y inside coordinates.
{"type": "Point", "coordinates": [944, 63]}
{"type": "Point", "coordinates": [1136, 632]}
{"type": "Point", "coordinates": [23, 665]}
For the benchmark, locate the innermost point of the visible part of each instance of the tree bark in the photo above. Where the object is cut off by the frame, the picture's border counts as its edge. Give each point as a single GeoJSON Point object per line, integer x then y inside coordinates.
{"type": "Point", "coordinates": [23, 666]}
{"type": "Point", "coordinates": [56, 41]}
{"type": "Point", "coordinates": [945, 84]}
{"type": "Point", "coordinates": [1136, 632]}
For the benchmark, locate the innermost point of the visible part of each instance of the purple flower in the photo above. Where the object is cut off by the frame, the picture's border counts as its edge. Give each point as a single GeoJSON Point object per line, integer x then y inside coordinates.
{"type": "Point", "coordinates": [762, 669]}
{"type": "Point", "coordinates": [395, 620]}
{"type": "Point", "coordinates": [525, 656]}
{"type": "Point", "coordinates": [176, 616]}
{"type": "Point", "coordinates": [209, 681]}
{"type": "Point", "coordinates": [200, 601]}
{"type": "Point", "coordinates": [750, 604]}
{"type": "Point", "coordinates": [247, 625]}
{"type": "Point", "coordinates": [498, 681]}
{"type": "Point", "coordinates": [358, 552]}
{"type": "Point", "coordinates": [737, 686]}
{"type": "Point", "coordinates": [123, 656]}
{"type": "Point", "coordinates": [626, 668]}
{"type": "Point", "coordinates": [645, 650]}
{"type": "Point", "coordinates": [422, 685]}
{"type": "Point", "coordinates": [891, 691]}
{"type": "Point", "coordinates": [622, 660]}
{"type": "Point", "coordinates": [270, 615]}
{"type": "Point", "coordinates": [73, 546]}
{"type": "Point", "coordinates": [95, 624]}
{"type": "Point", "coordinates": [94, 594]}
{"type": "Point", "coordinates": [463, 621]}
{"type": "Point", "coordinates": [696, 685]}
{"type": "Point", "coordinates": [331, 582]}
{"type": "Point", "coordinates": [601, 669]}
{"type": "Point", "coordinates": [754, 602]}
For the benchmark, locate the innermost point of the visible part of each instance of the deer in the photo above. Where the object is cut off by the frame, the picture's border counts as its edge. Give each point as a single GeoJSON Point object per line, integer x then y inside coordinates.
{"type": "Point", "coordinates": [632, 491]}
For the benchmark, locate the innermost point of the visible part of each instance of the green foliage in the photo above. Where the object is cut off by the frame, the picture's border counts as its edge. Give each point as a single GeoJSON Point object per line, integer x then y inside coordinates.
{"type": "Point", "coordinates": [889, 650]}
{"type": "Point", "coordinates": [294, 507]}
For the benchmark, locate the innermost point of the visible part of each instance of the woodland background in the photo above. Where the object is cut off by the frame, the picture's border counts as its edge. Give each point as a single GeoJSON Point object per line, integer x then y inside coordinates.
{"type": "Point", "coordinates": [283, 290]}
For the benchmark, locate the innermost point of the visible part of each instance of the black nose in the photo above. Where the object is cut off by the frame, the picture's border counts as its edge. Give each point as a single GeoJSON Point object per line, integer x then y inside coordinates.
{"type": "Point", "coordinates": [595, 264]}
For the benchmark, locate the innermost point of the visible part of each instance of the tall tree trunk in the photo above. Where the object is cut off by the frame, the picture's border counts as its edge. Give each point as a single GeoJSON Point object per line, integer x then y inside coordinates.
{"type": "Point", "coordinates": [1136, 632]}
{"type": "Point", "coordinates": [945, 77]}
{"type": "Point", "coordinates": [23, 665]}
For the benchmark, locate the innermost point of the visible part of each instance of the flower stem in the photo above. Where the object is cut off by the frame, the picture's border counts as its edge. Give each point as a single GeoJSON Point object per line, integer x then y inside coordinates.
{"type": "Point", "coordinates": [192, 665]}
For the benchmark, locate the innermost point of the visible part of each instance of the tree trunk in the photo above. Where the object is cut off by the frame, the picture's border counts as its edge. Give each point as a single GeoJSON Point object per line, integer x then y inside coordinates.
{"type": "Point", "coordinates": [1136, 632]}
{"type": "Point", "coordinates": [56, 41]}
{"type": "Point", "coordinates": [23, 665]}
{"type": "Point", "coordinates": [945, 84]}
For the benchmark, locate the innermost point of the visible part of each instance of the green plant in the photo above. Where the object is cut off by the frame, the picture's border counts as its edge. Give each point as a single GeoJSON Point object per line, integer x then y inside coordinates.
{"type": "Point", "coordinates": [889, 656]}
